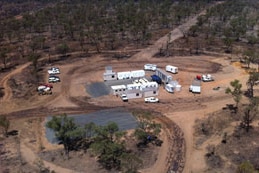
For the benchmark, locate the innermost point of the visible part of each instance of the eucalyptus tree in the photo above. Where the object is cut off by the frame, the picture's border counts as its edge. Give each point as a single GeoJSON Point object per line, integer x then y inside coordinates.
{"type": "Point", "coordinates": [108, 145]}
{"type": "Point", "coordinates": [249, 114]}
{"type": "Point", "coordinates": [66, 131]}
{"type": "Point", "coordinates": [251, 82]}
{"type": "Point", "coordinates": [235, 91]}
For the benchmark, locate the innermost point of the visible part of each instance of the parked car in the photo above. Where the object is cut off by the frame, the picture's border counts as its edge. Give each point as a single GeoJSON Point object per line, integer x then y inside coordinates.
{"type": "Point", "coordinates": [151, 67]}
{"type": "Point", "coordinates": [151, 100]}
{"type": "Point", "coordinates": [45, 91]}
{"type": "Point", "coordinates": [124, 97]}
{"type": "Point", "coordinates": [54, 79]}
{"type": "Point", "coordinates": [53, 70]}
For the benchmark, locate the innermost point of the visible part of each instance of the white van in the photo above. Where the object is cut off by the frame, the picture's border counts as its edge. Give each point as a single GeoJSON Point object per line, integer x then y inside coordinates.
{"type": "Point", "coordinates": [169, 88]}
{"type": "Point", "coordinates": [172, 69]}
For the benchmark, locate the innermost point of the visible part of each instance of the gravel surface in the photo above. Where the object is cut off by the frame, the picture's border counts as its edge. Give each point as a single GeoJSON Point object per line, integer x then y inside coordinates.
{"type": "Point", "coordinates": [97, 89]}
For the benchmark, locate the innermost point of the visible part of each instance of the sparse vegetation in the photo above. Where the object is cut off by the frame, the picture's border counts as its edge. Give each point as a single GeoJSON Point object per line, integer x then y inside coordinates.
{"type": "Point", "coordinates": [106, 142]}
{"type": "Point", "coordinates": [31, 31]}
{"type": "Point", "coordinates": [236, 92]}
{"type": "Point", "coordinates": [4, 124]}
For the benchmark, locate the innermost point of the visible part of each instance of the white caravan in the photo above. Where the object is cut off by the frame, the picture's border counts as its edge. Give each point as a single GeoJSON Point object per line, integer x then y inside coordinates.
{"type": "Point", "coordinates": [172, 69]}
{"type": "Point", "coordinates": [165, 77]}
{"type": "Point", "coordinates": [151, 67]}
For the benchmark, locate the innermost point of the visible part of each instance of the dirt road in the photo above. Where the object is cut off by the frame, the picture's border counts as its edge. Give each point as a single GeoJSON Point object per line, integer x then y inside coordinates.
{"type": "Point", "coordinates": [183, 107]}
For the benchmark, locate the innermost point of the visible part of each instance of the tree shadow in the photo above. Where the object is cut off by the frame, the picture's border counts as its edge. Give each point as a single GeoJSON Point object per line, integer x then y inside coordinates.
{"type": "Point", "coordinates": [12, 133]}
{"type": "Point", "coordinates": [230, 107]}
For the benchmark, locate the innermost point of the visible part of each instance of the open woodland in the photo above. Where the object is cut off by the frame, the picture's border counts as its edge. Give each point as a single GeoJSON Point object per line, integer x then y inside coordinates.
{"type": "Point", "coordinates": [215, 131]}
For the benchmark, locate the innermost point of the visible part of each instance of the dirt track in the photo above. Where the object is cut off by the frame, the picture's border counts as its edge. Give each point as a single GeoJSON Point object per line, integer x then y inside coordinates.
{"type": "Point", "coordinates": [183, 107]}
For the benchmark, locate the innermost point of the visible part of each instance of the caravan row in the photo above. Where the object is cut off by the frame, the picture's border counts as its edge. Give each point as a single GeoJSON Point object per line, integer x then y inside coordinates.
{"type": "Point", "coordinates": [111, 75]}
{"type": "Point", "coordinates": [168, 68]}
{"type": "Point", "coordinates": [130, 74]}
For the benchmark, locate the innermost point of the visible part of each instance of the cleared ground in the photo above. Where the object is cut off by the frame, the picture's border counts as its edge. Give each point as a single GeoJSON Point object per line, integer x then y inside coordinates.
{"type": "Point", "coordinates": [183, 107]}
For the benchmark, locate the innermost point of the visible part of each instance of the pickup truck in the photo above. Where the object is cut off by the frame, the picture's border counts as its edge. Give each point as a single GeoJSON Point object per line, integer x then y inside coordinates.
{"type": "Point", "coordinates": [151, 100]}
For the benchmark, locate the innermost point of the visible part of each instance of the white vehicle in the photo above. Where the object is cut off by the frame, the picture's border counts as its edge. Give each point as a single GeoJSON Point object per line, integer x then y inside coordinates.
{"type": "Point", "coordinates": [44, 86]}
{"type": "Point", "coordinates": [45, 91]}
{"type": "Point", "coordinates": [151, 100]}
{"type": "Point", "coordinates": [124, 97]}
{"type": "Point", "coordinates": [151, 67]}
{"type": "Point", "coordinates": [169, 88]}
{"type": "Point", "coordinates": [171, 69]}
{"type": "Point", "coordinates": [41, 87]}
{"type": "Point", "coordinates": [195, 87]}
{"type": "Point", "coordinates": [54, 79]}
{"type": "Point", "coordinates": [207, 78]}
{"type": "Point", "coordinates": [53, 71]}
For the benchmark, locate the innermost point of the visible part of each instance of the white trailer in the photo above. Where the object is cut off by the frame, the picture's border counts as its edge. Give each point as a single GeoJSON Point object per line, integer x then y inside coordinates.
{"type": "Point", "coordinates": [151, 67]}
{"type": "Point", "coordinates": [165, 77]}
{"type": "Point", "coordinates": [195, 87]}
{"type": "Point", "coordinates": [137, 74]}
{"type": "Point", "coordinates": [124, 75]}
{"type": "Point", "coordinates": [171, 69]}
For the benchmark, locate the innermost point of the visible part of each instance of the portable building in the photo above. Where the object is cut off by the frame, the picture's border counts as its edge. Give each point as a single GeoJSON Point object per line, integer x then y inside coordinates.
{"type": "Point", "coordinates": [150, 89]}
{"type": "Point", "coordinates": [133, 91]}
{"type": "Point", "coordinates": [109, 74]}
{"type": "Point", "coordinates": [124, 75]}
{"type": "Point", "coordinates": [172, 69]}
{"type": "Point", "coordinates": [118, 89]}
{"type": "Point", "coordinates": [165, 77]}
{"type": "Point", "coordinates": [137, 74]}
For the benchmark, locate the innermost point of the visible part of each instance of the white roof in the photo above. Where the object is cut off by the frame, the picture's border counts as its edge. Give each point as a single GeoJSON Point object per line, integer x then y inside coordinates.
{"type": "Point", "coordinates": [114, 87]}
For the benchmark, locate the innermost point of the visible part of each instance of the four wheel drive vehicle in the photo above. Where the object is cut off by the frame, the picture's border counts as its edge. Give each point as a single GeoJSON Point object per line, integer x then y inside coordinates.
{"type": "Point", "coordinates": [53, 71]}
{"type": "Point", "coordinates": [151, 67]}
{"type": "Point", "coordinates": [45, 91]}
{"type": "Point", "coordinates": [41, 87]}
{"type": "Point", "coordinates": [54, 79]}
{"type": "Point", "coordinates": [207, 78]}
{"type": "Point", "coordinates": [124, 97]}
{"type": "Point", "coordinates": [151, 100]}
